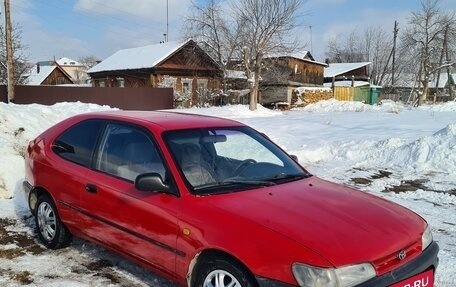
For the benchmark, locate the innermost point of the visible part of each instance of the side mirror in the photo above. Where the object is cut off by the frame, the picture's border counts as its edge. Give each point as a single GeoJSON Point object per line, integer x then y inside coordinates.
{"type": "Point", "coordinates": [151, 182]}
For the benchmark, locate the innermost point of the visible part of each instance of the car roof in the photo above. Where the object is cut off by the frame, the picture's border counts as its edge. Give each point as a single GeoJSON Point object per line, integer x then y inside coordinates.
{"type": "Point", "coordinates": [164, 120]}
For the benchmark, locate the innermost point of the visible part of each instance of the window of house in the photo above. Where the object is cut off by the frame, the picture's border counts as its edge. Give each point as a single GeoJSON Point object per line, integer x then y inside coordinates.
{"type": "Point", "coordinates": [78, 142]}
{"type": "Point", "coordinates": [202, 84]}
{"type": "Point", "coordinates": [121, 82]}
{"type": "Point", "coordinates": [185, 87]}
{"type": "Point", "coordinates": [102, 83]}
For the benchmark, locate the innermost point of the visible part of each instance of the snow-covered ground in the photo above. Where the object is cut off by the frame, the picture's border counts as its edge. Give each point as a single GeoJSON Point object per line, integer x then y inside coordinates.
{"type": "Point", "coordinates": [407, 155]}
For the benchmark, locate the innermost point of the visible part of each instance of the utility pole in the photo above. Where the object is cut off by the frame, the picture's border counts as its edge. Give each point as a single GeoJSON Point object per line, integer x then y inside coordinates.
{"type": "Point", "coordinates": [310, 28]}
{"type": "Point", "coordinates": [393, 67]}
{"type": "Point", "coordinates": [167, 22]}
{"type": "Point", "coordinates": [9, 52]}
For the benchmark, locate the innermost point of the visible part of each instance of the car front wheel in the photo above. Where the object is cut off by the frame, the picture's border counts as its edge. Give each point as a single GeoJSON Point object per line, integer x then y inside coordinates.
{"type": "Point", "coordinates": [51, 231]}
{"type": "Point", "coordinates": [220, 272]}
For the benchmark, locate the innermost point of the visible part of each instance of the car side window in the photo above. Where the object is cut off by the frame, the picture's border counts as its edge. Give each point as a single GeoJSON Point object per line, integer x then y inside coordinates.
{"type": "Point", "coordinates": [77, 143]}
{"type": "Point", "coordinates": [126, 152]}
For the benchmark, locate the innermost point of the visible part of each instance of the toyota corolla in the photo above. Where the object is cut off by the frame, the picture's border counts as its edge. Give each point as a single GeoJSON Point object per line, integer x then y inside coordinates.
{"type": "Point", "coordinates": [205, 201]}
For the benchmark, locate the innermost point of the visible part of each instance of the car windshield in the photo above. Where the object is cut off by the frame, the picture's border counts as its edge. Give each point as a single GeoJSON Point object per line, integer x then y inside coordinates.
{"type": "Point", "coordinates": [230, 159]}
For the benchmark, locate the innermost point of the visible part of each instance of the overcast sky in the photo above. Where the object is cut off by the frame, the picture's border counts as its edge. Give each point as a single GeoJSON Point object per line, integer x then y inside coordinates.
{"type": "Point", "coordinates": [77, 28]}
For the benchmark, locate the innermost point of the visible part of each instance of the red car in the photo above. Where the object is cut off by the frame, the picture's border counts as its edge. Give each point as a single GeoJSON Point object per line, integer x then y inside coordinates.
{"type": "Point", "coordinates": [211, 202]}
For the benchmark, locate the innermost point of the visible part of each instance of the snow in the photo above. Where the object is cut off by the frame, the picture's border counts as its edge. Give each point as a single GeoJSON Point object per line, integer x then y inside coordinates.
{"type": "Point", "coordinates": [138, 58]}
{"type": "Point", "coordinates": [348, 84]}
{"type": "Point", "coordinates": [335, 69]}
{"type": "Point", "coordinates": [443, 80]}
{"type": "Point", "coordinates": [374, 148]}
{"type": "Point", "coordinates": [36, 78]}
{"type": "Point", "coordinates": [301, 90]}
{"type": "Point", "coordinates": [64, 61]}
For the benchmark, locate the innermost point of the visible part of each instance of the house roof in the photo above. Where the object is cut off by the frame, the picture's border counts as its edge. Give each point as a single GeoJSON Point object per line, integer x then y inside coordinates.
{"type": "Point", "coordinates": [304, 55]}
{"type": "Point", "coordinates": [68, 62]}
{"type": "Point", "coordinates": [349, 84]}
{"type": "Point", "coordinates": [234, 74]}
{"type": "Point", "coordinates": [138, 58]}
{"type": "Point", "coordinates": [298, 55]}
{"type": "Point", "coordinates": [443, 80]}
{"type": "Point", "coordinates": [336, 69]}
{"type": "Point", "coordinates": [36, 79]}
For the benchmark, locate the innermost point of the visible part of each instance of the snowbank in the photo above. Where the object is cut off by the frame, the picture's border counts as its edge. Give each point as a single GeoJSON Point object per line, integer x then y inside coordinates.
{"type": "Point", "coordinates": [436, 152]}
{"type": "Point", "coordinates": [21, 123]}
{"type": "Point", "coordinates": [333, 105]}
{"type": "Point", "coordinates": [232, 111]}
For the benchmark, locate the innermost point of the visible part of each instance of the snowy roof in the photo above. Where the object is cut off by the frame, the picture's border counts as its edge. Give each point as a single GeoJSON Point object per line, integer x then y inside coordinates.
{"type": "Point", "coordinates": [348, 84]}
{"type": "Point", "coordinates": [36, 79]}
{"type": "Point", "coordinates": [68, 62]}
{"type": "Point", "coordinates": [138, 58]}
{"type": "Point", "coordinates": [297, 55]}
{"type": "Point", "coordinates": [335, 69]}
{"type": "Point", "coordinates": [304, 55]}
{"type": "Point", "coordinates": [443, 80]}
{"type": "Point", "coordinates": [234, 74]}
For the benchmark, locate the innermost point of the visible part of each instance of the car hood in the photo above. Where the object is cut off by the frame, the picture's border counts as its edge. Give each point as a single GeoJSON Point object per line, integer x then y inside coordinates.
{"type": "Point", "coordinates": [343, 225]}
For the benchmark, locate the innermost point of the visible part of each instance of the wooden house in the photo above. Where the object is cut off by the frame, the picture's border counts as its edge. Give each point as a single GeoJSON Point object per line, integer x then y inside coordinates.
{"type": "Point", "coordinates": [48, 75]}
{"type": "Point", "coordinates": [350, 82]}
{"type": "Point", "coordinates": [76, 70]}
{"type": "Point", "coordinates": [347, 71]}
{"type": "Point", "coordinates": [283, 74]}
{"type": "Point", "coordinates": [440, 85]}
{"type": "Point", "coordinates": [185, 67]}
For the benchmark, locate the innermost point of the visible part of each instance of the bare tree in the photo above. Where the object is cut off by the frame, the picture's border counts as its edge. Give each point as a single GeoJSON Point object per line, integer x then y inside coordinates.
{"type": "Point", "coordinates": [20, 59]}
{"type": "Point", "coordinates": [216, 33]}
{"type": "Point", "coordinates": [88, 61]}
{"type": "Point", "coordinates": [449, 32]}
{"type": "Point", "coordinates": [244, 30]}
{"type": "Point", "coordinates": [421, 41]}
{"type": "Point", "coordinates": [371, 45]}
{"type": "Point", "coordinates": [346, 50]}
{"type": "Point", "coordinates": [266, 29]}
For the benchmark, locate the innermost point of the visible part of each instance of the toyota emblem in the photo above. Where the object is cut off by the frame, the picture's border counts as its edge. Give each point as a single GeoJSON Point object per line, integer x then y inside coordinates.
{"type": "Point", "coordinates": [402, 254]}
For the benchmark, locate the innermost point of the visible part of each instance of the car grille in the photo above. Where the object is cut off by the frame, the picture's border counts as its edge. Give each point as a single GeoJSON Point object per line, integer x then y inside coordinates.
{"type": "Point", "coordinates": [392, 261]}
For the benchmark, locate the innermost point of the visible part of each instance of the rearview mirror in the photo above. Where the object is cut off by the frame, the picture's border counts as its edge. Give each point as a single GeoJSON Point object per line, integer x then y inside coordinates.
{"type": "Point", "coordinates": [151, 182]}
{"type": "Point", "coordinates": [213, 139]}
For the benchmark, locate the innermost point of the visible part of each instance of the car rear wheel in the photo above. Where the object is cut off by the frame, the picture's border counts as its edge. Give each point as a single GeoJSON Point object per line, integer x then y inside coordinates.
{"type": "Point", "coordinates": [51, 231]}
{"type": "Point", "coordinates": [221, 272]}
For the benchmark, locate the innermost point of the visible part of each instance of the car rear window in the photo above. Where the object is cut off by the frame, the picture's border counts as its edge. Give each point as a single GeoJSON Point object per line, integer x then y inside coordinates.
{"type": "Point", "coordinates": [77, 143]}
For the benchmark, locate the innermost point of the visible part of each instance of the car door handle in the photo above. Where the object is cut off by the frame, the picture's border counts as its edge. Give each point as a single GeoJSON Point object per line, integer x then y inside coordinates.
{"type": "Point", "coordinates": [91, 188]}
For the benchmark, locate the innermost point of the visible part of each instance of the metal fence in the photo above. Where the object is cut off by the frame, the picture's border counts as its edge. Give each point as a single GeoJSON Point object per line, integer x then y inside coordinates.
{"type": "Point", "coordinates": [145, 98]}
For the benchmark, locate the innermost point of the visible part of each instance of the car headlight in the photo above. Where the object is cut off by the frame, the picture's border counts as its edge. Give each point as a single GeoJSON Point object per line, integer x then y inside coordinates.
{"type": "Point", "coordinates": [311, 276]}
{"type": "Point", "coordinates": [426, 238]}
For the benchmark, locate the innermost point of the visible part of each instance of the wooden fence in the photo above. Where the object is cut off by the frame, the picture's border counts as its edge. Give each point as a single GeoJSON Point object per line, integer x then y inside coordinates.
{"type": "Point", "coordinates": [145, 98]}
{"type": "Point", "coordinates": [360, 94]}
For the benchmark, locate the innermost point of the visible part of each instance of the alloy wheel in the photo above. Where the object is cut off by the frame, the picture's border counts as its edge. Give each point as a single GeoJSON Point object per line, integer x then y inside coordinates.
{"type": "Point", "coordinates": [221, 278]}
{"type": "Point", "coordinates": [47, 222]}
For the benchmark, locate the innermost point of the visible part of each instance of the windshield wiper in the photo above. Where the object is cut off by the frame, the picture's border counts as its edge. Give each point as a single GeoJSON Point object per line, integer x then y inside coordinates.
{"type": "Point", "coordinates": [248, 182]}
{"type": "Point", "coordinates": [288, 177]}
{"type": "Point", "coordinates": [232, 183]}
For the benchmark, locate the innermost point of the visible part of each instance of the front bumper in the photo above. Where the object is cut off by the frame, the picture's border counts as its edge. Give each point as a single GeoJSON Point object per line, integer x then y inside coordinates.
{"type": "Point", "coordinates": [427, 260]}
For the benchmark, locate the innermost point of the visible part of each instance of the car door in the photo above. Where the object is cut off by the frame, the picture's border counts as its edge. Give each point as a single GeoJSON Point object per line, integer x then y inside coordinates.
{"type": "Point", "coordinates": [70, 159]}
{"type": "Point", "coordinates": [137, 223]}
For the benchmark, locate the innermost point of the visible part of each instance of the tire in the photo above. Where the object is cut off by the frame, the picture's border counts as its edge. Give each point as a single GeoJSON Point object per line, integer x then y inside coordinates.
{"type": "Point", "coordinates": [223, 272]}
{"type": "Point", "coordinates": [51, 231]}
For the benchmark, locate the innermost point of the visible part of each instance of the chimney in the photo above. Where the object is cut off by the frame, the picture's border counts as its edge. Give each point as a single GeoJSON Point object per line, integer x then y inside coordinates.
{"type": "Point", "coordinates": [327, 61]}
{"type": "Point", "coordinates": [37, 68]}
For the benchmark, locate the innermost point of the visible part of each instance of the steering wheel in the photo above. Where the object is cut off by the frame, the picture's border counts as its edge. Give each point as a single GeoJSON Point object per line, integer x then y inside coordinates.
{"type": "Point", "coordinates": [241, 166]}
